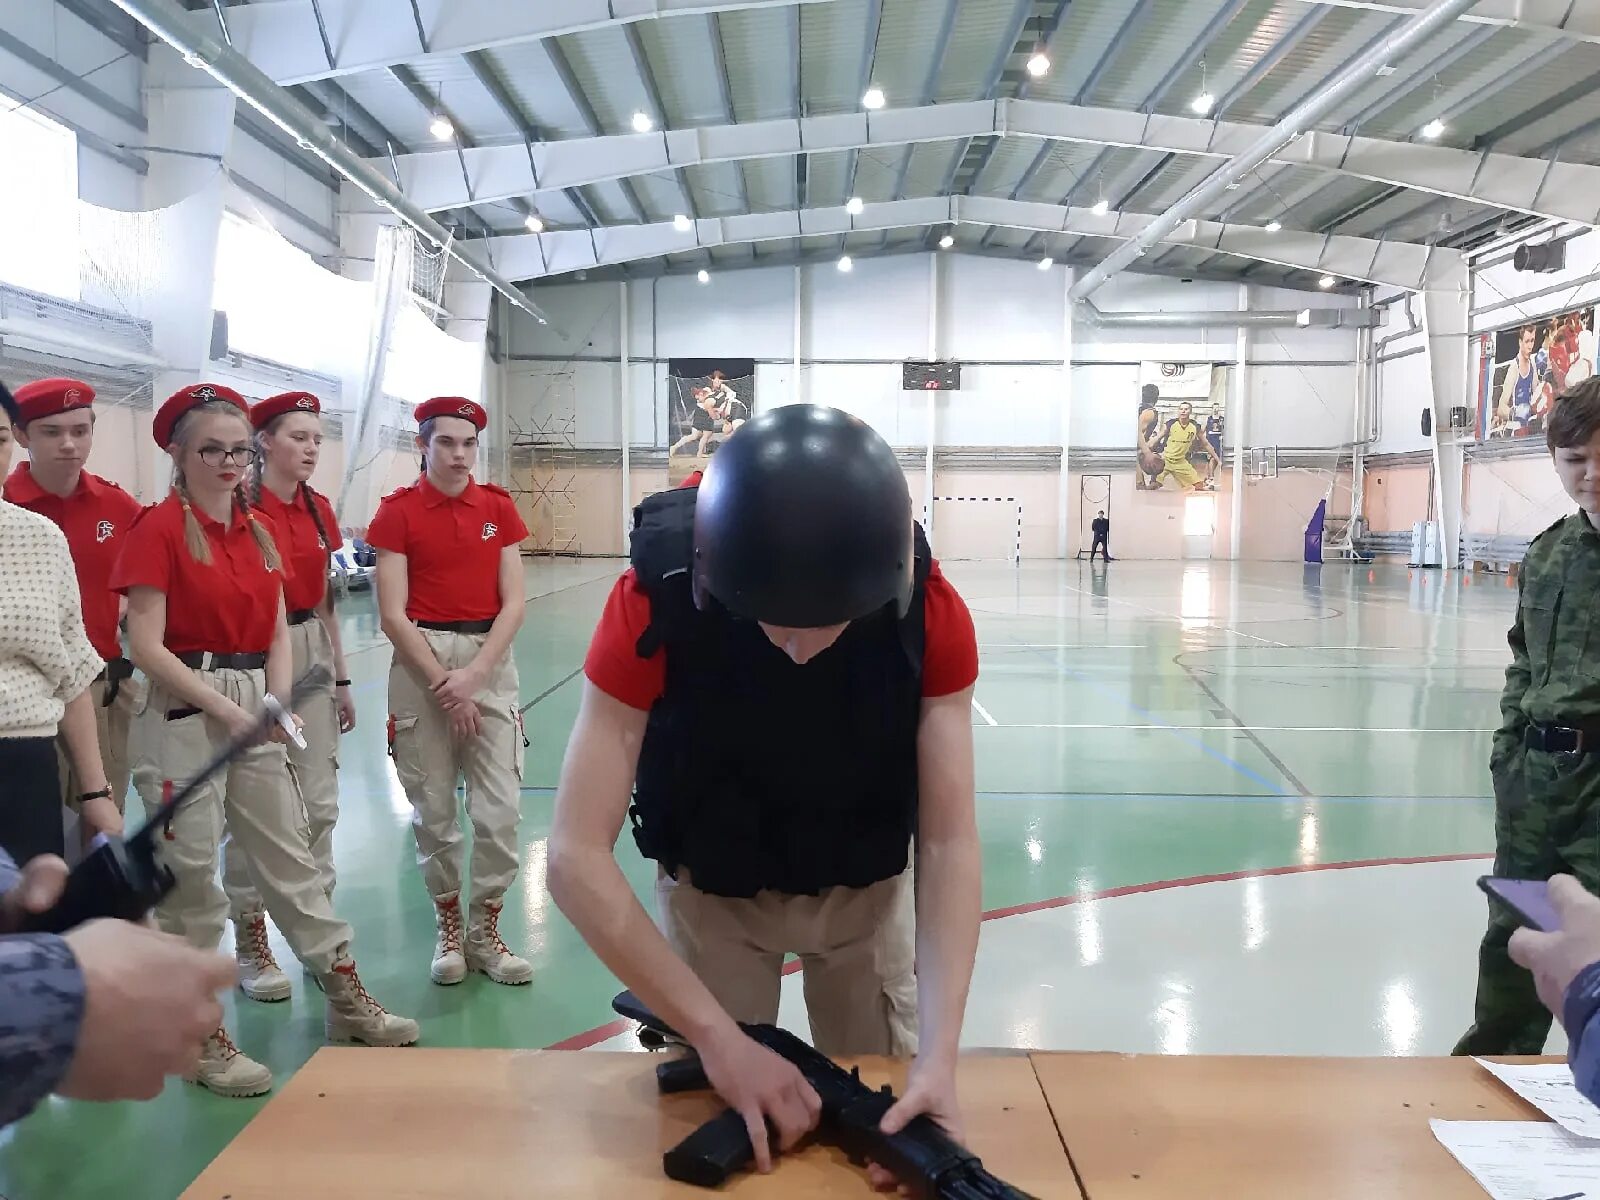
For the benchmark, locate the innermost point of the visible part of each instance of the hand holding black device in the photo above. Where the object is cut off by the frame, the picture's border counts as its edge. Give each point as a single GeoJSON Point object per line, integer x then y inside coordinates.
{"type": "Point", "coordinates": [125, 878]}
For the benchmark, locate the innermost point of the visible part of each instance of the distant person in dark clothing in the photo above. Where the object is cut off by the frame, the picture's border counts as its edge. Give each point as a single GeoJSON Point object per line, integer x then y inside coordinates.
{"type": "Point", "coordinates": [1101, 527]}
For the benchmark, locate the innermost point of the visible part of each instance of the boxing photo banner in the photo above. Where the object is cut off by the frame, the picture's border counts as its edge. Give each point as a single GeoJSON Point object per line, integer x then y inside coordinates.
{"type": "Point", "coordinates": [708, 399]}
{"type": "Point", "coordinates": [1179, 437]}
{"type": "Point", "coordinates": [1523, 368]}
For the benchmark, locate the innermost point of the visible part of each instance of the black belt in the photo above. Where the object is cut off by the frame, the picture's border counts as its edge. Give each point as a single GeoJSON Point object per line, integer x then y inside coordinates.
{"type": "Point", "coordinates": [1562, 739]}
{"type": "Point", "coordinates": [301, 615]}
{"type": "Point", "coordinates": [116, 671]}
{"type": "Point", "coordinates": [457, 626]}
{"type": "Point", "coordinates": [205, 660]}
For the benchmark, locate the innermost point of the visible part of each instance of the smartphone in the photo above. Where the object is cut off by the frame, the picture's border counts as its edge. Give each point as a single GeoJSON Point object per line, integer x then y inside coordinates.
{"type": "Point", "coordinates": [1527, 899]}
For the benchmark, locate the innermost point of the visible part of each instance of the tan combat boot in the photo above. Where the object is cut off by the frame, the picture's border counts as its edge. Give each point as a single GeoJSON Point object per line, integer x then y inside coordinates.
{"type": "Point", "coordinates": [487, 952]}
{"type": "Point", "coordinates": [226, 1070]}
{"type": "Point", "coordinates": [354, 1016]}
{"type": "Point", "coordinates": [449, 965]}
{"type": "Point", "coordinates": [259, 975]}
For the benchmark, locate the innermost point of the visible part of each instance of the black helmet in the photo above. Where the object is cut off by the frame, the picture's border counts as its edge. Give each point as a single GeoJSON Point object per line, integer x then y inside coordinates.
{"type": "Point", "coordinates": [804, 520]}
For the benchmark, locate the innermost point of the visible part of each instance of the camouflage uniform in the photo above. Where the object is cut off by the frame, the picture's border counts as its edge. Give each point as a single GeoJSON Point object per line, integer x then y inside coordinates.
{"type": "Point", "coordinates": [41, 1007]}
{"type": "Point", "coordinates": [1547, 806]}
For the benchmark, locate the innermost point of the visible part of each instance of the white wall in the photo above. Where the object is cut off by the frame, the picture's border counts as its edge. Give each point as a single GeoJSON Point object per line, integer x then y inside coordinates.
{"type": "Point", "coordinates": [1003, 320]}
{"type": "Point", "coordinates": [109, 182]}
{"type": "Point", "coordinates": [62, 37]}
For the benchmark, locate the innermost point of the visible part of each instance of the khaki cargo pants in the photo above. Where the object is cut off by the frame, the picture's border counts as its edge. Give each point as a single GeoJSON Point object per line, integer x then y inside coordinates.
{"type": "Point", "coordinates": [256, 797]}
{"type": "Point", "coordinates": [856, 946]}
{"type": "Point", "coordinates": [429, 762]}
{"type": "Point", "coordinates": [315, 771]}
{"type": "Point", "coordinates": [111, 723]}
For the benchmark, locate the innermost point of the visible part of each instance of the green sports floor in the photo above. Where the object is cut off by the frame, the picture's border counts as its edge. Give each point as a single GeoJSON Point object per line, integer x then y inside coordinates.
{"type": "Point", "coordinates": [1224, 808]}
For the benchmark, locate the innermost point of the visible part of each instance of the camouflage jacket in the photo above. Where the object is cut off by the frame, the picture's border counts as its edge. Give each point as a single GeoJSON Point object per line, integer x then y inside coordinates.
{"type": "Point", "coordinates": [1554, 676]}
{"type": "Point", "coordinates": [41, 1007]}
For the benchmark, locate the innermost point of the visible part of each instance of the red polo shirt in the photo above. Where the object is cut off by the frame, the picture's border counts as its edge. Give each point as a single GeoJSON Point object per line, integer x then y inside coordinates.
{"type": "Point", "coordinates": [452, 546]}
{"type": "Point", "coordinates": [949, 656]}
{"type": "Point", "coordinates": [305, 558]}
{"type": "Point", "coordinates": [226, 606]}
{"type": "Point", "coordinates": [95, 519]}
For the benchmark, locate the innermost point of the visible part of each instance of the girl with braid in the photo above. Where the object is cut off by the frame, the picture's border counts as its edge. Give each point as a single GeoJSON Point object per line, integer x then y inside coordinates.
{"type": "Point", "coordinates": [204, 579]}
{"type": "Point", "coordinates": [288, 443]}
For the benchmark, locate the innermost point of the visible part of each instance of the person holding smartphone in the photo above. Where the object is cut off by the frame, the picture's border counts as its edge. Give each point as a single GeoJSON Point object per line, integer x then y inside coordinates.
{"type": "Point", "coordinates": [1545, 763]}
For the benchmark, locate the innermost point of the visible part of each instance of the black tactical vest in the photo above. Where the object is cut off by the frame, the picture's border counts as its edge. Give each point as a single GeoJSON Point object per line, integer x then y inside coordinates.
{"type": "Point", "coordinates": [759, 773]}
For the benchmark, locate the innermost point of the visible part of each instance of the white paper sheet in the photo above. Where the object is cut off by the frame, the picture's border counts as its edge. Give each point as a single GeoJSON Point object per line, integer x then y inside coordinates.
{"type": "Point", "coordinates": [1549, 1088]}
{"type": "Point", "coordinates": [1523, 1160]}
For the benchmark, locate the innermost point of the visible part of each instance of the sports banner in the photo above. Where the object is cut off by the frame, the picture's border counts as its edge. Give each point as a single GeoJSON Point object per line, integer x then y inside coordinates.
{"type": "Point", "coordinates": [1523, 369]}
{"type": "Point", "coordinates": [1180, 428]}
{"type": "Point", "coordinates": [708, 399]}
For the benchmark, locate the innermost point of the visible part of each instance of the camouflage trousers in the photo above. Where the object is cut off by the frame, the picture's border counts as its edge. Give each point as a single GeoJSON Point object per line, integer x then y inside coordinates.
{"type": "Point", "coordinates": [1546, 822]}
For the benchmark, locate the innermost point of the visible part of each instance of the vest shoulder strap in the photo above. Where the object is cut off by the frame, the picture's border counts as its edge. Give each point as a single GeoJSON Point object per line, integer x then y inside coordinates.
{"type": "Point", "coordinates": [661, 549]}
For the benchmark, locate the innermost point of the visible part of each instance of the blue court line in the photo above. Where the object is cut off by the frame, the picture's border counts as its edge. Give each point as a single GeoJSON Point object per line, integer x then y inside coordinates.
{"type": "Point", "coordinates": [1181, 735]}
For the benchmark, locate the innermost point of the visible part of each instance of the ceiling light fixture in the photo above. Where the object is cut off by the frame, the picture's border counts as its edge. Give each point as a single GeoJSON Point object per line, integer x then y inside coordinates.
{"type": "Point", "coordinates": [703, 275]}
{"type": "Point", "coordinates": [1203, 104]}
{"type": "Point", "coordinates": [643, 122]}
{"type": "Point", "coordinates": [854, 205]}
{"type": "Point", "coordinates": [1039, 64]}
{"type": "Point", "coordinates": [534, 222]}
{"type": "Point", "coordinates": [1101, 207]}
{"type": "Point", "coordinates": [442, 129]}
{"type": "Point", "coordinates": [946, 242]}
{"type": "Point", "coordinates": [874, 98]}
{"type": "Point", "coordinates": [1326, 282]}
{"type": "Point", "coordinates": [844, 262]}
{"type": "Point", "coordinates": [1274, 226]}
{"type": "Point", "coordinates": [1046, 263]}
{"type": "Point", "coordinates": [681, 222]}
{"type": "Point", "coordinates": [1433, 130]}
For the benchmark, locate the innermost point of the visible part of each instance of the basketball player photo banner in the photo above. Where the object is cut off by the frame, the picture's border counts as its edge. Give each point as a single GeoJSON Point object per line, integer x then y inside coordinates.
{"type": "Point", "coordinates": [1524, 368]}
{"type": "Point", "coordinates": [708, 400]}
{"type": "Point", "coordinates": [1178, 440]}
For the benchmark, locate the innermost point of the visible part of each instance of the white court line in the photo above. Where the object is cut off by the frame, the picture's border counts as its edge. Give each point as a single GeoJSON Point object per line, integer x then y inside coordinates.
{"type": "Point", "coordinates": [1230, 728]}
{"type": "Point", "coordinates": [983, 712]}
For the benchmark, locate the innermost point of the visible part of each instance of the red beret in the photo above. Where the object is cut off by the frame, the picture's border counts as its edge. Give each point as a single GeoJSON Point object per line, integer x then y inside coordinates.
{"type": "Point", "coordinates": [452, 406]}
{"type": "Point", "coordinates": [273, 407]}
{"type": "Point", "coordinates": [182, 400]}
{"type": "Point", "coordinates": [51, 397]}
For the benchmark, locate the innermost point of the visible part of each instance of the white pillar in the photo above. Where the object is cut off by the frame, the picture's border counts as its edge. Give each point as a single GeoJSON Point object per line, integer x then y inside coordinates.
{"type": "Point", "coordinates": [932, 397]}
{"type": "Point", "coordinates": [625, 424]}
{"type": "Point", "coordinates": [796, 392]}
{"type": "Point", "coordinates": [1064, 498]}
{"type": "Point", "coordinates": [1445, 324]}
{"type": "Point", "coordinates": [188, 112]}
{"type": "Point", "coordinates": [1239, 421]}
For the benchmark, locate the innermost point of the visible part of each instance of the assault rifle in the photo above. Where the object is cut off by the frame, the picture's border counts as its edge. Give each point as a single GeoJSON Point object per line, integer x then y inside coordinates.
{"type": "Point", "coordinates": [923, 1158]}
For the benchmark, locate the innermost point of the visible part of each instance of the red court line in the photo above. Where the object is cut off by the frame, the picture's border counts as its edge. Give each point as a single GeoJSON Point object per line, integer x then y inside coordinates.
{"type": "Point", "coordinates": [611, 1029]}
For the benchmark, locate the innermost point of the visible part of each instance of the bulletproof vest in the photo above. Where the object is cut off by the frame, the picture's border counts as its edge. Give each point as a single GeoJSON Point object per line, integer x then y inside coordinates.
{"type": "Point", "coordinates": [757, 772]}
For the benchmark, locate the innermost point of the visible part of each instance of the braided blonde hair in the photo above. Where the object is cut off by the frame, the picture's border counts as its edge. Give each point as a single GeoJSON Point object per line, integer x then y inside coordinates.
{"type": "Point", "coordinates": [194, 536]}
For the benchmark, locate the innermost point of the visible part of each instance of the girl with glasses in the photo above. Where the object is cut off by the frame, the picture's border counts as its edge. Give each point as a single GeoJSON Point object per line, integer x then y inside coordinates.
{"type": "Point", "coordinates": [206, 624]}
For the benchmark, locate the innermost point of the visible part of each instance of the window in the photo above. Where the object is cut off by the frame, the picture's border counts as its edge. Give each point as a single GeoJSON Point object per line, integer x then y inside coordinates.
{"type": "Point", "coordinates": [39, 246]}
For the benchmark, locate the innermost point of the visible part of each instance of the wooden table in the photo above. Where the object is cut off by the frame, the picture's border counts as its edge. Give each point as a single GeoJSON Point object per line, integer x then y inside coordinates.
{"type": "Point", "coordinates": [410, 1124]}
{"type": "Point", "coordinates": [1269, 1128]}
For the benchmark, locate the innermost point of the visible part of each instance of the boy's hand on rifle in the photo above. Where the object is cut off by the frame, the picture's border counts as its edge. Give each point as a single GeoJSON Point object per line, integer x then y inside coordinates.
{"type": "Point", "coordinates": [930, 1091]}
{"type": "Point", "coordinates": [762, 1087]}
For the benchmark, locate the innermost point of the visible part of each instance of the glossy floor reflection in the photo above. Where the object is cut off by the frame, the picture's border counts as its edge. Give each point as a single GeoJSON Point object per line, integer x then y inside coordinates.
{"type": "Point", "coordinates": [1140, 728]}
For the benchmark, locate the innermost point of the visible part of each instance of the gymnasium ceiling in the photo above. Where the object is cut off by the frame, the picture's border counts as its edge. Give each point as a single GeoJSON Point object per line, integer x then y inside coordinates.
{"type": "Point", "coordinates": [511, 77]}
